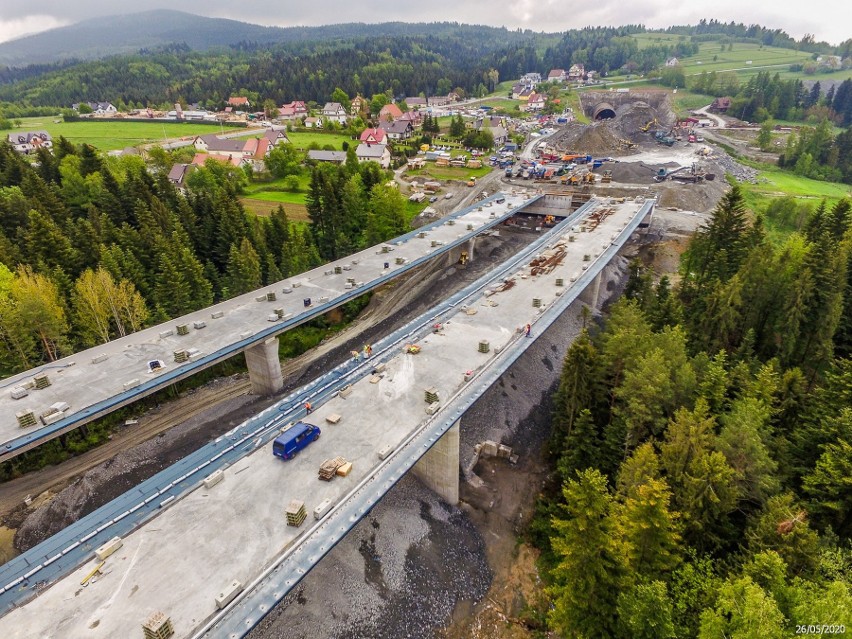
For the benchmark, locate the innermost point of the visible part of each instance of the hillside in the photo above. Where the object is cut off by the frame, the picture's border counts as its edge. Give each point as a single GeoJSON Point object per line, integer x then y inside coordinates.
{"type": "Point", "coordinates": [110, 35]}
{"type": "Point", "coordinates": [127, 34]}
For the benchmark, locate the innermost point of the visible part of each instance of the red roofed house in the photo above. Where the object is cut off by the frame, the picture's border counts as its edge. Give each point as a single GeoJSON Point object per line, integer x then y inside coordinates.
{"type": "Point", "coordinates": [238, 102]}
{"type": "Point", "coordinates": [557, 75]}
{"type": "Point", "coordinates": [389, 113]}
{"type": "Point", "coordinates": [374, 136]}
{"type": "Point", "coordinates": [293, 110]}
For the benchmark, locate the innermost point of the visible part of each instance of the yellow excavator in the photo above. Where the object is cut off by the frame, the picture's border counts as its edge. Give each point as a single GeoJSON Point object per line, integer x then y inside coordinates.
{"type": "Point", "coordinates": [649, 125]}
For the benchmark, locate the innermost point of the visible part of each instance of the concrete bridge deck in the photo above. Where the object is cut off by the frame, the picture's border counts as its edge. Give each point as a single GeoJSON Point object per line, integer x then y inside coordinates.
{"type": "Point", "coordinates": [99, 380]}
{"type": "Point", "coordinates": [181, 559]}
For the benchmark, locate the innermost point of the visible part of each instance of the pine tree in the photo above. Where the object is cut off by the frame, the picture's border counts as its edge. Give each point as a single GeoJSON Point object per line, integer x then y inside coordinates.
{"type": "Point", "coordinates": [586, 578]}
{"type": "Point", "coordinates": [243, 273]}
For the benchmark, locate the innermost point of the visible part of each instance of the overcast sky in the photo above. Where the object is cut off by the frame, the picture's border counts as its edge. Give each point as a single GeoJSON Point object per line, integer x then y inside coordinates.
{"type": "Point", "coordinates": [829, 20]}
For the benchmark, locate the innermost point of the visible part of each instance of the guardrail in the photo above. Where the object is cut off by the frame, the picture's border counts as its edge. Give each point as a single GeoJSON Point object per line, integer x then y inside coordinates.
{"type": "Point", "coordinates": [32, 439]}
{"type": "Point", "coordinates": [268, 589]}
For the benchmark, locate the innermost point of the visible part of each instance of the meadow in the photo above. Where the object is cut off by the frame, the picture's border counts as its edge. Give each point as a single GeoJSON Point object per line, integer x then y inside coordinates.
{"type": "Point", "coordinates": [113, 136]}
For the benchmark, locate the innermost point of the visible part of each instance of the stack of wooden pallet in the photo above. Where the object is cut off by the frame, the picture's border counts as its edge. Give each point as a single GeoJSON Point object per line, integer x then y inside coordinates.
{"type": "Point", "coordinates": [296, 513]}
{"type": "Point", "coordinates": [329, 467]}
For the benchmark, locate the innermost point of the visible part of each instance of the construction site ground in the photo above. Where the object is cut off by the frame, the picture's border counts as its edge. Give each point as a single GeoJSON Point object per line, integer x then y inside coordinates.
{"type": "Point", "coordinates": [422, 564]}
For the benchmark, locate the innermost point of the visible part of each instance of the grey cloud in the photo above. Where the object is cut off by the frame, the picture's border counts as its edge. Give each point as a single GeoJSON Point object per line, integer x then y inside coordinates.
{"type": "Point", "coordinates": [539, 15]}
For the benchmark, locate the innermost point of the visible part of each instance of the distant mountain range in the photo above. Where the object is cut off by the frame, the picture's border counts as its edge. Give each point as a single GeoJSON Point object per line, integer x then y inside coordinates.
{"type": "Point", "coordinates": [111, 35]}
{"type": "Point", "coordinates": [125, 34]}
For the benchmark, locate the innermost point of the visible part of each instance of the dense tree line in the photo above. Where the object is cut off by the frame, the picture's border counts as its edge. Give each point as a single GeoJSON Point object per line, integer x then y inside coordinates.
{"type": "Point", "coordinates": [93, 248]}
{"type": "Point", "coordinates": [767, 96]}
{"type": "Point", "coordinates": [712, 29]}
{"type": "Point", "coordinates": [703, 444]}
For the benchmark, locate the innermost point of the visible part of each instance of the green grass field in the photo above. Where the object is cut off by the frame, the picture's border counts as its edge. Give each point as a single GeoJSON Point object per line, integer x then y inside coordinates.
{"type": "Point", "coordinates": [763, 58]}
{"type": "Point", "coordinates": [450, 172]}
{"type": "Point", "coordinates": [303, 139]}
{"type": "Point", "coordinates": [111, 136]}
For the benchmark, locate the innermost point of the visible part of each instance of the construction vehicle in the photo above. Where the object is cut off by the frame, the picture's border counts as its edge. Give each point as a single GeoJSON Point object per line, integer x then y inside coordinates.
{"type": "Point", "coordinates": [471, 181]}
{"type": "Point", "coordinates": [589, 178]}
{"type": "Point", "coordinates": [606, 176]}
{"type": "Point", "coordinates": [649, 124]}
{"type": "Point", "coordinates": [463, 258]}
{"type": "Point", "coordinates": [549, 221]}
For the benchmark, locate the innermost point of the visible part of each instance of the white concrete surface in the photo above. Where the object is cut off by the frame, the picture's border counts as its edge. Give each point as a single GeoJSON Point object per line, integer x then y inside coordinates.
{"type": "Point", "coordinates": [82, 383]}
{"type": "Point", "coordinates": [179, 561]}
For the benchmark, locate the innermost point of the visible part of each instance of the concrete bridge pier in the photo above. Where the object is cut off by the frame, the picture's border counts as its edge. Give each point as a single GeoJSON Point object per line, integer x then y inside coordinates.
{"type": "Point", "coordinates": [264, 367]}
{"type": "Point", "coordinates": [591, 294]}
{"type": "Point", "coordinates": [470, 246]}
{"type": "Point", "coordinates": [439, 467]}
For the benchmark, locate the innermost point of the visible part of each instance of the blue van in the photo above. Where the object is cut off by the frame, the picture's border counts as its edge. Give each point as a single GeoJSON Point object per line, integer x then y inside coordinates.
{"type": "Point", "coordinates": [294, 439]}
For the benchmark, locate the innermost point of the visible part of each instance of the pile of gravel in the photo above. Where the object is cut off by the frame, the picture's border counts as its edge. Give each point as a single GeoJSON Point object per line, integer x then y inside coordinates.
{"type": "Point", "coordinates": [740, 172]}
{"type": "Point", "coordinates": [399, 573]}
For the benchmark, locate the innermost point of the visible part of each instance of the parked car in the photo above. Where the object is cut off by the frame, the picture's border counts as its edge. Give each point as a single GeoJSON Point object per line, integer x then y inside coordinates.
{"type": "Point", "coordinates": [433, 199]}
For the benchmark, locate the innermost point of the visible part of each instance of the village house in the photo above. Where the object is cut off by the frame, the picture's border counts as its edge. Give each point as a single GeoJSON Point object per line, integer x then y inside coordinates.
{"type": "Point", "coordinates": [200, 158]}
{"type": "Point", "coordinates": [373, 136]}
{"type": "Point", "coordinates": [374, 153]}
{"type": "Point", "coordinates": [313, 123]}
{"type": "Point", "coordinates": [672, 62]}
{"type": "Point", "coordinates": [229, 147]}
{"type": "Point", "coordinates": [576, 72]}
{"type": "Point", "coordinates": [531, 79]}
{"type": "Point", "coordinates": [358, 106]}
{"type": "Point", "coordinates": [293, 110]}
{"type": "Point", "coordinates": [28, 141]}
{"type": "Point", "coordinates": [179, 173]}
{"type": "Point", "coordinates": [557, 75]}
{"type": "Point", "coordinates": [399, 130]}
{"type": "Point", "coordinates": [389, 113]}
{"type": "Point", "coordinates": [416, 102]}
{"type": "Point", "coordinates": [98, 108]}
{"type": "Point", "coordinates": [442, 100]}
{"type": "Point", "coordinates": [334, 112]}
{"type": "Point", "coordinates": [501, 135]}
{"type": "Point", "coordinates": [414, 117]}
{"type": "Point", "coordinates": [535, 102]}
{"type": "Point", "coordinates": [239, 102]}
{"type": "Point", "coordinates": [721, 105]}
{"type": "Point", "coordinates": [335, 157]}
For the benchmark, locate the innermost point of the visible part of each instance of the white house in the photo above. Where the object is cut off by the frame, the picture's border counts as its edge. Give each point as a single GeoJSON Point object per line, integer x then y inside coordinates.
{"type": "Point", "coordinates": [29, 141]}
{"type": "Point", "coordinates": [374, 153]}
{"type": "Point", "coordinates": [334, 112]}
{"type": "Point", "coordinates": [98, 108]}
{"type": "Point", "coordinates": [672, 62]}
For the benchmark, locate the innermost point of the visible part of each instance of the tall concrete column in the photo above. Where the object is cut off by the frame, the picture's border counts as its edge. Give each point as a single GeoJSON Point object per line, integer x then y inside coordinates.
{"type": "Point", "coordinates": [264, 367]}
{"type": "Point", "coordinates": [470, 245]}
{"type": "Point", "coordinates": [439, 467]}
{"type": "Point", "coordinates": [590, 294]}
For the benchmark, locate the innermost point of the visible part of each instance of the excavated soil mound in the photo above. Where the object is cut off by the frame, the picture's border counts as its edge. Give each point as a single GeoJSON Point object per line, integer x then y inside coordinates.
{"type": "Point", "coordinates": [634, 172]}
{"type": "Point", "coordinates": [596, 139]}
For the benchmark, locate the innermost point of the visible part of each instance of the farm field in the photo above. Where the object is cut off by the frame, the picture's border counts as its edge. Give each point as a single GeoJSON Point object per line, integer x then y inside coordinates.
{"type": "Point", "coordinates": [113, 136]}
{"type": "Point", "coordinates": [303, 139]}
{"type": "Point", "coordinates": [774, 59]}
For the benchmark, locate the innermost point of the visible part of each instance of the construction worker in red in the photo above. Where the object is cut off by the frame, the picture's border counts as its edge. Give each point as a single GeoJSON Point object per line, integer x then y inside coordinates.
{"type": "Point", "coordinates": [308, 408]}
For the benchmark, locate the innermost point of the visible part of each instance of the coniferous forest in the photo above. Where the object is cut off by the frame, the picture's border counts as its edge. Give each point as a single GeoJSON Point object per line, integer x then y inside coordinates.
{"type": "Point", "coordinates": [94, 248]}
{"type": "Point", "coordinates": [702, 444]}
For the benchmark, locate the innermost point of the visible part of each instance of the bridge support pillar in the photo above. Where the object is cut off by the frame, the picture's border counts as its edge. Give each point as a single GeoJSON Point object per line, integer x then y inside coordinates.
{"type": "Point", "coordinates": [591, 293]}
{"type": "Point", "coordinates": [439, 467]}
{"type": "Point", "coordinates": [471, 243]}
{"type": "Point", "coordinates": [264, 367]}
